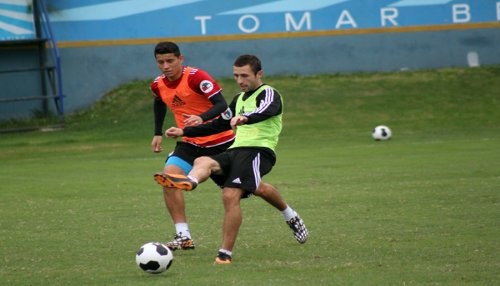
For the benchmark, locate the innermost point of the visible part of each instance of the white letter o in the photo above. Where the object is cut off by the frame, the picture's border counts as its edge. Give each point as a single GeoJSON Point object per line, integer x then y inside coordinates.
{"type": "Point", "coordinates": [249, 30]}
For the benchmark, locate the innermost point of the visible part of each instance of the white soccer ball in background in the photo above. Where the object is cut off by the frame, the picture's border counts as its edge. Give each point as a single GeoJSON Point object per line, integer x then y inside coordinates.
{"type": "Point", "coordinates": [154, 257]}
{"type": "Point", "coordinates": [381, 132]}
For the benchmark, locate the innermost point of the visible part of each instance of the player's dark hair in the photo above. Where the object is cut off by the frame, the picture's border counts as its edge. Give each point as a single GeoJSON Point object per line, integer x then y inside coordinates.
{"type": "Point", "coordinates": [251, 60]}
{"type": "Point", "coordinates": [167, 48]}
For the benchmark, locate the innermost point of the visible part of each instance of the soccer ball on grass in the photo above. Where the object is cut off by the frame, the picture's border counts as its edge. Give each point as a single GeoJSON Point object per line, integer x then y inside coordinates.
{"type": "Point", "coordinates": [381, 132]}
{"type": "Point", "coordinates": [154, 257]}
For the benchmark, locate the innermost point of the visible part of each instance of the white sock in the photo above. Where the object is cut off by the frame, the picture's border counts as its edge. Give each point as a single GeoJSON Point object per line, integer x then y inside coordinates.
{"type": "Point", "coordinates": [225, 251]}
{"type": "Point", "coordinates": [288, 213]}
{"type": "Point", "coordinates": [182, 229]}
{"type": "Point", "coordinates": [193, 179]}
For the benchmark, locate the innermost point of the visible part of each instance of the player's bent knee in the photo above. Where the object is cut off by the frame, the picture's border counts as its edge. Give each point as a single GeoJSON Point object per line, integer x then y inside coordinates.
{"type": "Point", "coordinates": [203, 160]}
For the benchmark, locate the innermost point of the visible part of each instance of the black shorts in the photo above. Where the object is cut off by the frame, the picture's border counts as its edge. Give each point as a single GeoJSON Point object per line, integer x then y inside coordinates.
{"type": "Point", "coordinates": [244, 167]}
{"type": "Point", "coordinates": [189, 152]}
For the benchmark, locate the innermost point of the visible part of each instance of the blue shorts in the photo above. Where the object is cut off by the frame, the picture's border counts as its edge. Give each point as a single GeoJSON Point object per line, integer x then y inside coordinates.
{"type": "Point", "coordinates": [177, 161]}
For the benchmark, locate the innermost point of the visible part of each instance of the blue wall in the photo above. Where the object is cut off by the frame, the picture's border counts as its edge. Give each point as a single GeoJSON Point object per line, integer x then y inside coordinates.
{"type": "Point", "coordinates": [139, 19]}
{"type": "Point", "coordinates": [107, 43]}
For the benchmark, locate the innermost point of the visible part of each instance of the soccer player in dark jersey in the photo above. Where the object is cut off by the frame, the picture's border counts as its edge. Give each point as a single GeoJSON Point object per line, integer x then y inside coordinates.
{"type": "Point", "coordinates": [193, 97]}
{"type": "Point", "coordinates": [255, 115]}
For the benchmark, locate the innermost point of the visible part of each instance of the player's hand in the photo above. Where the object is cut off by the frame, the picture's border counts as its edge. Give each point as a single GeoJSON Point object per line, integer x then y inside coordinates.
{"type": "Point", "coordinates": [191, 120]}
{"type": "Point", "coordinates": [174, 132]}
{"type": "Point", "coordinates": [238, 120]}
{"type": "Point", "coordinates": [156, 144]}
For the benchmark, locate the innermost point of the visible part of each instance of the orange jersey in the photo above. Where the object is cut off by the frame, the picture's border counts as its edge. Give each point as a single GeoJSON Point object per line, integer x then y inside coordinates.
{"type": "Point", "coordinates": [182, 99]}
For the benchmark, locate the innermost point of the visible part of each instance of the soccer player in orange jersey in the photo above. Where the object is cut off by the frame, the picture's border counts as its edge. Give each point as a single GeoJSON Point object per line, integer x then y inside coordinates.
{"type": "Point", "coordinates": [193, 97]}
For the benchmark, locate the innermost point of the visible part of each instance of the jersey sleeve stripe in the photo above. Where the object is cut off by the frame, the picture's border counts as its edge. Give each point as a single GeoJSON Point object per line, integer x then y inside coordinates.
{"type": "Point", "coordinates": [265, 103]}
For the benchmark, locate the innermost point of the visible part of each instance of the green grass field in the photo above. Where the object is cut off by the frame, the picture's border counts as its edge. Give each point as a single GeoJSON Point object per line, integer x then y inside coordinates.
{"type": "Point", "coordinates": [419, 209]}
